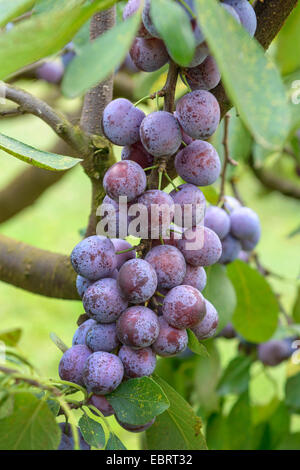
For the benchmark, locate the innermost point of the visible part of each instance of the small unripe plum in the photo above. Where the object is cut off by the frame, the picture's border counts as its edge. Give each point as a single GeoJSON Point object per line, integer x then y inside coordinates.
{"type": "Point", "coordinates": [137, 153]}
{"type": "Point", "coordinates": [170, 341]}
{"type": "Point", "coordinates": [198, 113]}
{"type": "Point", "coordinates": [200, 246]}
{"type": "Point", "coordinates": [82, 283]}
{"type": "Point", "coordinates": [148, 54]}
{"type": "Point", "coordinates": [121, 245]}
{"type": "Point", "coordinates": [121, 122]}
{"type": "Point", "coordinates": [103, 373]}
{"type": "Point", "coordinates": [192, 203]}
{"type": "Point", "coordinates": [198, 163]}
{"type": "Point", "coordinates": [138, 280]}
{"type": "Point", "coordinates": [135, 428]}
{"type": "Point", "coordinates": [205, 76]}
{"type": "Point", "coordinates": [273, 352]}
{"type": "Point", "coordinates": [138, 327]}
{"type": "Point", "coordinates": [130, 8]}
{"type": "Point", "coordinates": [72, 363]}
{"type": "Point", "coordinates": [231, 248]}
{"type": "Point", "coordinates": [207, 327]}
{"type": "Point", "coordinates": [104, 301]}
{"type": "Point", "coordinates": [160, 208]}
{"type": "Point", "coordinates": [137, 362]}
{"type": "Point", "coordinates": [125, 178]}
{"type": "Point", "coordinates": [102, 404]}
{"type": "Point", "coordinates": [81, 332]}
{"type": "Point", "coordinates": [217, 220]}
{"type": "Point", "coordinates": [160, 133]}
{"type": "Point", "coordinates": [102, 337]}
{"type": "Point", "coordinates": [246, 14]}
{"type": "Point", "coordinates": [183, 307]}
{"type": "Point", "coordinates": [195, 276]}
{"type": "Point", "coordinates": [245, 223]}
{"type": "Point", "coordinates": [94, 257]}
{"type": "Point", "coordinates": [169, 265]}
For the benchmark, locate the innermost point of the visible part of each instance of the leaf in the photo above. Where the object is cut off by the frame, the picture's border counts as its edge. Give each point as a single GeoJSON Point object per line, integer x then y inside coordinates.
{"type": "Point", "coordinates": [195, 346]}
{"type": "Point", "coordinates": [92, 432]}
{"type": "Point", "coordinates": [179, 39]}
{"type": "Point", "coordinates": [178, 428]}
{"type": "Point", "coordinates": [210, 194]}
{"type": "Point", "coordinates": [11, 337]}
{"type": "Point", "coordinates": [46, 5]}
{"type": "Point", "coordinates": [10, 9]}
{"type": "Point", "coordinates": [96, 60]}
{"type": "Point", "coordinates": [256, 313]}
{"type": "Point", "coordinates": [35, 157]}
{"type": "Point", "coordinates": [296, 307]}
{"type": "Point", "coordinates": [236, 376]}
{"type": "Point", "coordinates": [31, 426]}
{"type": "Point", "coordinates": [251, 80]}
{"type": "Point", "coordinates": [15, 53]}
{"type": "Point", "coordinates": [292, 395]}
{"type": "Point", "coordinates": [286, 40]}
{"type": "Point", "coordinates": [216, 432]}
{"type": "Point", "coordinates": [6, 405]}
{"type": "Point", "coordinates": [290, 442]}
{"type": "Point", "coordinates": [239, 424]}
{"type": "Point", "coordinates": [137, 401]}
{"type": "Point", "coordinates": [114, 443]}
{"type": "Point", "coordinates": [220, 292]}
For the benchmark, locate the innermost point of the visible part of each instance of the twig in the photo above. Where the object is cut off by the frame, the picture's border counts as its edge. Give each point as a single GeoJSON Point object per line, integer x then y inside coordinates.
{"type": "Point", "coordinates": [12, 112]}
{"type": "Point", "coordinates": [227, 159]}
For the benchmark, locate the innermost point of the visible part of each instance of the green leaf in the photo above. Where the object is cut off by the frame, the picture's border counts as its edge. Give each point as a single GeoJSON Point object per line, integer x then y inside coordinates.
{"type": "Point", "coordinates": [98, 59]}
{"type": "Point", "coordinates": [137, 401]}
{"type": "Point", "coordinates": [31, 426]}
{"type": "Point", "coordinates": [296, 307]}
{"type": "Point", "coordinates": [210, 194]}
{"type": "Point", "coordinates": [6, 405]}
{"type": "Point", "coordinates": [239, 424]}
{"type": "Point", "coordinates": [15, 53]}
{"type": "Point", "coordinates": [216, 432]}
{"type": "Point", "coordinates": [174, 27]}
{"type": "Point", "coordinates": [46, 5]}
{"type": "Point", "coordinates": [114, 443]}
{"type": "Point", "coordinates": [220, 292]}
{"type": "Point", "coordinates": [292, 395]}
{"type": "Point", "coordinates": [178, 428]}
{"type": "Point", "coordinates": [11, 337]}
{"type": "Point", "coordinates": [256, 313]}
{"type": "Point", "coordinates": [286, 41]}
{"type": "Point", "coordinates": [10, 9]}
{"type": "Point", "coordinates": [35, 157]}
{"type": "Point", "coordinates": [195, 345]}
{"type": "Point", "coordinates": [236, 376]}
{"type": "Point", "coordinates": [92, 432]}
{"type": "Point", "coordinates": [290, 442]}
{"type": "Point", "coordinates": [251, 80]}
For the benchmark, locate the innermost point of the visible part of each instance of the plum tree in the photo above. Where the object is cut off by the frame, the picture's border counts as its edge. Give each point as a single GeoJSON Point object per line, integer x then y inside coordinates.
{"type": "Point", "coordinates": [103, 373]}
{"type": "Point", "coordinates": [169, 265]}
{"type": "Point", "coordinates": [125, 178]}
{"type": "Point", "coordinates": [160, 133]}
{"type": "Point", "coordinates": [183, 307]}
{"type": "Point", "coordinates": [102, 337]}
{"type": "Point", "coordinates": [137, 362]}
{"type": "Point", "coordinates": [72, 363]}
{"type": "Point", "coordinates": [137, 280]}
{"type": "Point", "coordinates": [104, 301]}
{"type": "Point", "coordinates": [170, 341]}
{"type": "Point", "coordinates": [138, 327]}
{"type": "Point", "coordinates": [121, 122]}
{"type": "Point", "coordinates": [148, 54]}
{"type": "Point", "coordinates": [200, 246]}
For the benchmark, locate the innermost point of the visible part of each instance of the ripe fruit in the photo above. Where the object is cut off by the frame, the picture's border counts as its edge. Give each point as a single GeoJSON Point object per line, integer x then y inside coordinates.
{"type": "Point", "coordinates": [125, 178]}
{"type": "Point", "coordinates": [205, 76]}
{"type": "Point", "coordinates": [201, 52]}
{"type": "Point", "coordinates": [137, 153]}
{"type": "Point", "coordinates": [200, 246]}
{"type": "Point", "coordinates": [81, 332]}
{"type": "Point", "coordinates": [138, 327]}
{"type": "Point", "coordinates": [130, 8]}
{"type": "Point", "coordinates": [231, 248]}
{"type": "Point", "coordinates": [51, 72]}
{"type": "Point", "coordinates": [195, 276]}
{"type": "Point", "coordinates": [121, 245]}
{"type": "Point", "coordinates": [160, 208]}
{"type": "Point", "coordinates": [169, 265]}
{"type": "Point", "coordinates": [103, 373]}
{"type": "Point", "coordinates": [102, 337]}
{"type": "Point", "coordinates": [231, 203]}
{"type": "Point", "coordinates": [217, 220]}
{"type": "Point", "coordinates": [147, 20]}
{"type": "Point", "coordinates": [207, 327]}
{"type": "Point", "coordinates": [273, 352]}
{"type": "Point", "coordinates": [160, 133]}
{"type": "Point", "coordinates": [94, 257]}
{"type": "Point", "coordinates": [170, 340]}
{"type": "Point", "coordinates": [82, 284]}
{"type": "Point", "coordinates": [198, 113]}
{"type": "Point", "coordinates": [245, 223]}
{"type": "Point", "coordinates": [246, 14]}
{"type": "Point", "coordinates": [121, 122]}
{"type": "Point", "coordinates": [198, 163]}
{"type": "Point", "coordinates": [183, 307]}
{"type": "Point", "coordinates": [72, 363]}
{"type": "Point", "coordinates": [103, 301]}
{"type": "Point", "coordinates": [192, 203]}
{"type": "Point", "coordinates": [102, 404]}
{"type": "Point", "coordinates": [138, 281]}
{"type": "Point", "coordinates": [148, 54]}
{"type": "Point", "coordinates": [135, 428]}
{"type": "Point", "coordinates": [137, 362]}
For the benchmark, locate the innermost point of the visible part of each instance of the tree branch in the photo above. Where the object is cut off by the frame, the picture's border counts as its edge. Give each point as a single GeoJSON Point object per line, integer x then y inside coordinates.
{"type": "Point", "coordinates": [28, 103]}
{"type": "Point", "coordinates": [35, 270]}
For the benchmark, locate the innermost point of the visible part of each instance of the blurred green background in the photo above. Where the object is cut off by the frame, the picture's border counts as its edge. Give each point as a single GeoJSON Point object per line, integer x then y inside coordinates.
{"type": "Point", "coordinates": [54, 223]}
